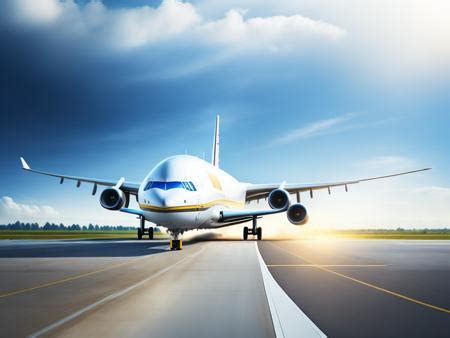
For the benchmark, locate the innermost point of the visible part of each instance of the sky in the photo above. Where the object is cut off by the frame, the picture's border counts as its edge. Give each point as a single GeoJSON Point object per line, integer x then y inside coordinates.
{"type": "Point", "coordinates": [308, 91]}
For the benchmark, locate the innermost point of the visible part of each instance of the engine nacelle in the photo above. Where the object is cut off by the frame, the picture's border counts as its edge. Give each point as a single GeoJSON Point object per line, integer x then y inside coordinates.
{"type": "Point", "coordinates": [113, 199]}
{"type": "Point", "coordinates": [278, 199]}
{"type": "Point", "coordinates": [297, 214]}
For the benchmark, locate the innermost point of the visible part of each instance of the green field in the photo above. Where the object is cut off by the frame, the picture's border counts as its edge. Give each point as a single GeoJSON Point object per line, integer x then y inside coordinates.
{"type": "Point", "coordinates": [64, 234]}
{"type": "Point", "coordinates": [356, 234]}
{"type": "Point", "coordinates": [389, 234]}
{"type": "Point", "coordinates": [395, 236]}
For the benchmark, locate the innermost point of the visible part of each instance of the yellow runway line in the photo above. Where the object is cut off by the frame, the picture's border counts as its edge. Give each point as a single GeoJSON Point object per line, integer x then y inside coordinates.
{"type": "Point", "coordinates": [68, 279]}
{"type": "Point", "coordinates": [396, 294]}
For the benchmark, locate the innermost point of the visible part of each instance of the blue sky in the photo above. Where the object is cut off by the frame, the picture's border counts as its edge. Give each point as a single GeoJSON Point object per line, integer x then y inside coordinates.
{"type": "Point", "coordinates": [307, 91]}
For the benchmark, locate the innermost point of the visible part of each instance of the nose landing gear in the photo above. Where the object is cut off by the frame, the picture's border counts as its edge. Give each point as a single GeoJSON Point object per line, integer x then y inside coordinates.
{"type": "Point", "coordinates": [175, 243]}
{"type": "Point", "coordinates": [141, 231]}
{"type": "Point", "coordinates": [253, 231]}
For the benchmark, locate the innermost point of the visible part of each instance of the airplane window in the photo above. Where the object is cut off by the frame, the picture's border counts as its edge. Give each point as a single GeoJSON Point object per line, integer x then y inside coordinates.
{"type": "Point", "coordinates": [192, 186]}
{"type": "Point", "coordinates": [174, 185]}
{"type": "Point", "coordinates": [170, 185]}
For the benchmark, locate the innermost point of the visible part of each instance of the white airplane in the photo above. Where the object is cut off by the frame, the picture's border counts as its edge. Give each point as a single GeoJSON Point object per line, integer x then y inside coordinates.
{"type": "Point", "coordinates": [185, 192]}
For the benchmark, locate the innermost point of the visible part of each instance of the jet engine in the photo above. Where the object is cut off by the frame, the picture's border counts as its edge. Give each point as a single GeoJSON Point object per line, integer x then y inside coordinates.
{"type": "Point", "coordinates": [278, 199]}
{"type": "Point", "coordinates": [297, 214]}
{"type": "Point", "coordinates": [113, 199]}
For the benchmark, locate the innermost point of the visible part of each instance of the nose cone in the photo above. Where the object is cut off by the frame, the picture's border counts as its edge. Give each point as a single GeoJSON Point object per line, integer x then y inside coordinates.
{"type": "Point", "coordinates": [167, 198]}
{"type": "Point", "coordinates": [158, 197]}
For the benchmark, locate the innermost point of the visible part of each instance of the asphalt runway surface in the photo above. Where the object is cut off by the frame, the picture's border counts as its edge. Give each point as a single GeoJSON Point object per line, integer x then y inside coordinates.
{"type": "Point", "coordinates": [133, 288]}
{"type": "Point", "coordinates": [214, 288]}
{"type": "Point", "coordinates": [366, 288]}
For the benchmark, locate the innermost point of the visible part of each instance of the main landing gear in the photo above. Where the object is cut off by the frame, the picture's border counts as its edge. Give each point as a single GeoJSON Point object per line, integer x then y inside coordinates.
{"type": "Point", "coordinates": [141, 231]}
{"type": "Point", "coordinates": [253, 231]}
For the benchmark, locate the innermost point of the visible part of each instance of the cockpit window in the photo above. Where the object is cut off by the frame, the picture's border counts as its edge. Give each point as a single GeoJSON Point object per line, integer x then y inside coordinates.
{"type": "Point", "coordinates": [170, 185]}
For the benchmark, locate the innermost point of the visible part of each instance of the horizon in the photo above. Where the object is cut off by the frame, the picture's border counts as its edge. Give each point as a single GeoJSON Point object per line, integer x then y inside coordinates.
{"type": "Point", "coordinates": [67, 225]}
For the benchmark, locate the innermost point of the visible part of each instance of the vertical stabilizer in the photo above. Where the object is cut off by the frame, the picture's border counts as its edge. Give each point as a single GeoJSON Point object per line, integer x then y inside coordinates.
{"type": "Point", "coordinates": [215, 150]}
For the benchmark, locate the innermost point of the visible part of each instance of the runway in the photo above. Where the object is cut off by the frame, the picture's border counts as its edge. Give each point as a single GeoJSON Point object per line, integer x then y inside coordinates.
{"type": "Point", "coordinates": [366, 288]}
{"type": "Point", "coordinates": [214, 288]}
{"type": "Point", "coordinates": [88, 288]}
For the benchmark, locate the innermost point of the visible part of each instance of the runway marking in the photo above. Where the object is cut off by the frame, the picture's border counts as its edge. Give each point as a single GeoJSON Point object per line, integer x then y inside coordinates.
{"type": "Point", "coordinates": [109, 298]}
{"type": "Point", "coordinates": [327, 265]}
{"type": "Point", "coordinates": [373, 286]}
{"type": "Point", "coordinates": [69, 279]}
{"type": "Point", "coordinates": [159, 247]}
{"type": "Point", "coordinates": [287, 318]}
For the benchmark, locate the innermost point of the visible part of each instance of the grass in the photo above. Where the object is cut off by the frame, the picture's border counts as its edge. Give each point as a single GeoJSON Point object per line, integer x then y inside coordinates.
{"type": "Point", "coordinates": [64, 234]}
{"type": "Point", "coordinates": [355, 234]}
{"type": "Point", "coordinates": [395, 236]}
{"type": "Point", "coordinates": [389, 234]}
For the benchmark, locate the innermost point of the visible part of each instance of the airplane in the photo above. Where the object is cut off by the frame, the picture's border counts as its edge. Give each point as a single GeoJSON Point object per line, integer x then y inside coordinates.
{"type": "Point", "coordinates": [184, 192]}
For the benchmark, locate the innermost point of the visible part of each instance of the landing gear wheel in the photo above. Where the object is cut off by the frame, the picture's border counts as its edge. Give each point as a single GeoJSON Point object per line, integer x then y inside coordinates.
{"type": "Point", "coordinates": [259, 233]}
{"type": "Point", "coordinates": [245, 234]}
{"type": "Point", "coordinates": [176, 244]}
{"type": "Point", "coordinates": [139, 233]}
{"type": "Point", "coordinates": [150, 233]}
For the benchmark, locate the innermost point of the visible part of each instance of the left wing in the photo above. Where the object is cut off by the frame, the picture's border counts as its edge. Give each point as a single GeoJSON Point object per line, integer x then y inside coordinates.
{"type": "Point", "coordinates": [132, 211]}
{"type": "Point", "coordinates": [260, 191]}
{"type": "Point", "coordinates": [128, 187]}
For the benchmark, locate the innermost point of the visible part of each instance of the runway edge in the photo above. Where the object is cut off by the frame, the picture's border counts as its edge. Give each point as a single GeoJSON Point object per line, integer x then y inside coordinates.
{"type": "Point", "coordinates": [288, 319]}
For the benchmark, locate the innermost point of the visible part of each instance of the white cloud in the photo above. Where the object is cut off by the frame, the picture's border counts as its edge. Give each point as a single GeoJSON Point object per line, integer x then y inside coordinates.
{"type": "Point", "coordinates": [10, 211]}
{"type": "Point", "coordinates": [145, 25]}
{"type": "Point", "coordinates": [316, 128]}
{"type": "Point", "coordinates": [389, 40]}
{"type": "Point", "coordinates": [273, 33]}
{"type": "Point", "coordinates": [127, 28]}
{"type": "Point", "coordinates": [436, 191]}
{"type": "Point", "coordinates": [42, 11]}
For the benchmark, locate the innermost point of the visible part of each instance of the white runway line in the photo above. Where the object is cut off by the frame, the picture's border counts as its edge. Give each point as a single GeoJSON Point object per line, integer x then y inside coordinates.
{"type": "Point", "coordinates": [288, 319]}
{"type": "Point", "coordinates": [159, 247]}
{"type": "Point", "coordinates": [109, 298]}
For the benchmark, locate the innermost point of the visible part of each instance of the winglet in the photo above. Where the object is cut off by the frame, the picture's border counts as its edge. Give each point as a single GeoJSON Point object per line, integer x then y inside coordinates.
{"type": "Point", "coordinates": [25, 165]}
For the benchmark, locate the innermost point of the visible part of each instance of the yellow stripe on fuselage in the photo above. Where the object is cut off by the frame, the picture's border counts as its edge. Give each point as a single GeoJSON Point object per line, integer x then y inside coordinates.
{"type": "Point", "coordinates": [195, 207]}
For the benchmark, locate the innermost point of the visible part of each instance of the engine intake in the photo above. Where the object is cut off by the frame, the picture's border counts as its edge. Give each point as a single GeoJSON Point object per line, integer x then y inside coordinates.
{"type": "Point", "coordinates": [113, 199]}
{"type": "Point", "coordinates": [297, 214]}
{"type": "Point", "coordinates": [278, 199]}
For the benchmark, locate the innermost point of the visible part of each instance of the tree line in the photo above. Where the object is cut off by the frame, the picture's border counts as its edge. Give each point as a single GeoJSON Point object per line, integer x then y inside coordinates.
{"type": "Point", "coordinates": [52, 226]}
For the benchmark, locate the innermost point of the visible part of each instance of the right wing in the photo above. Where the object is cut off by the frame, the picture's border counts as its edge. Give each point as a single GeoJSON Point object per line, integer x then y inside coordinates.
{"type": "Point", "coordinates": [261, 191]}
{"type": "Point", "coordinates": [246, 215]}
{"type": "Point", "coordinates": [128, 187]}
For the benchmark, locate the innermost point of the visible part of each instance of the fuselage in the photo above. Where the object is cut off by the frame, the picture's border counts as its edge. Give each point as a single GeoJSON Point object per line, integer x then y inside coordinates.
{"type": "Point", "coordinates": [185, 192]}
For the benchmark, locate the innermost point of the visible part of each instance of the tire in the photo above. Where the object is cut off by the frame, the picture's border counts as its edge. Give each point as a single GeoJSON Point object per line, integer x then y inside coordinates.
{"type": "Point", "coordinates": [245, 233]}
{"type": "Point", "coordinates": [150, 233]}
{"type": "Point", "coordinates": [139, 233]}
{"type": "Point", "coordinates": [259, 233]}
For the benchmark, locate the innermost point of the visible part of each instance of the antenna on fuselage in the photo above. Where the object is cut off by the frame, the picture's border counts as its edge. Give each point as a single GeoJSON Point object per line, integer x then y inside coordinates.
{"type": "Point", "coordinates": [215, 151]}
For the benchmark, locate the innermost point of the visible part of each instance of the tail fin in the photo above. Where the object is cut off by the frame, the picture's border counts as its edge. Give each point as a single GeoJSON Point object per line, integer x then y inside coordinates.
{"type": "Point", "coordinates": [215, 150]}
